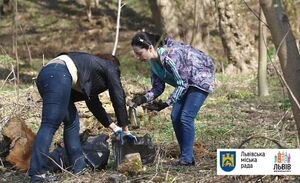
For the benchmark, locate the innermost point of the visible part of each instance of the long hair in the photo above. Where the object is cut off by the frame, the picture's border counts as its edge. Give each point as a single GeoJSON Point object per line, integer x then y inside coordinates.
{"type": "Point", "coordinates": [146, 39]}
{"type": "Point", "coordinates": [109, 57]}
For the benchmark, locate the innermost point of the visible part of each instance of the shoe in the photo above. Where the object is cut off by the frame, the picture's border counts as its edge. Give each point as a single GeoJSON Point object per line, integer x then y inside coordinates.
{"type": "Point", "coordinates": [185, 163]}
{"type": "Point", "coordinates": [43, 178]}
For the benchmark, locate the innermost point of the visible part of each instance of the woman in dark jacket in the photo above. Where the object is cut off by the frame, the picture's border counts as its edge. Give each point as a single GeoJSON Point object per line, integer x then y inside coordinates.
{"type": "Point", "coordinates": [71, 77]}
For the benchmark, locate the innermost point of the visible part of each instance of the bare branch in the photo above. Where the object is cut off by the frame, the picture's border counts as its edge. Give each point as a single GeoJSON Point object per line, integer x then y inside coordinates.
{"type": "Point", "coordinates": [258, 136]}
{"type": "Point", "coordinates": [64, 170]}
{"type": "Point", "coordinates": [27, 46]}
{"type": "Point", "coordinates": [17, 81]}
{"type": "Point", "coordinates": [281, 76]}
{"type": "Point", "coordinates": [117, 28]}
{"type": "Point", "coordinates": [255, 14]}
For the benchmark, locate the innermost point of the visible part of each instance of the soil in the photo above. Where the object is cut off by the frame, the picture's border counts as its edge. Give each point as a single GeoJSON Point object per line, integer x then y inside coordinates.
{"type": "Point", "coordinates": [232, 114]}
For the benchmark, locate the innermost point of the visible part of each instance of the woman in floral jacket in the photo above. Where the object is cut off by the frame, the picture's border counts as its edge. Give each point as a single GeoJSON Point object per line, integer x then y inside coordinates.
{"type": "Point", "coordinates": [189, 70]}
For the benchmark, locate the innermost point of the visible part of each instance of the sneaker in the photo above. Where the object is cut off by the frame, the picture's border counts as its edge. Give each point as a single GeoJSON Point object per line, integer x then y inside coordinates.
{"type": "Point", "coordinates": [185, 163]}
{"type": "Point", "coordinates": [43, 178]}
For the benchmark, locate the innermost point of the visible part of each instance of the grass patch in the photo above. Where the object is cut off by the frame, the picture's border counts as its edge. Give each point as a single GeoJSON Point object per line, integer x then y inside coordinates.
{"type": "Point", "coordinates": [134, 69]}
{"type": "Point", "coordinates": [242, 94]}
{"type": "Point", "coordinates": [6, 61]}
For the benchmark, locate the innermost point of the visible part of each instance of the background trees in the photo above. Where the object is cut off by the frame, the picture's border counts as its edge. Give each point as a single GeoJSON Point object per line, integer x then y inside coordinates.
{"type": "Point", "coordinates": [287, 51]}
{"type": "Point", "coordinates": [226, 29]}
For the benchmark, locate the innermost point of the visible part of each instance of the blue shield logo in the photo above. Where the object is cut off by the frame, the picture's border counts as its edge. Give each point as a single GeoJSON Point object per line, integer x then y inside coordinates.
{"type": "Point", "coordinates": [227, 160]}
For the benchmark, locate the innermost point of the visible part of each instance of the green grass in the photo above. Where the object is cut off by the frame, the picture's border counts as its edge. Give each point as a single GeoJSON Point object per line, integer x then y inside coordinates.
{"type": "Point", "coordinates": [134, 69]}
{"type": "Point", "coordinates": [12, 87]}
{"type": "Point", "coordinates": [6, 61]}
{"type": "Point", "coordinates": [230, 114]}
{"type": "Point", "coordinates": [242, 94]}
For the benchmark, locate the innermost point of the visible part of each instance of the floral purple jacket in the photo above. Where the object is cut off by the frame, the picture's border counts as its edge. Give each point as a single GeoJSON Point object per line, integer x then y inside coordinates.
{"type": "Point", "coordinates": [181, 66]}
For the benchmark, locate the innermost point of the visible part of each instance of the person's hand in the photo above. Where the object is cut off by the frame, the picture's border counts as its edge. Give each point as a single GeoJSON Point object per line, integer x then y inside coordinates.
{"type": "Point", "coordinates": [139, 100]}
{"type": "Point", "coordinates": [117, 131]}
{"type": "Point", "coordinates": [129, 136]}
{"type": "Point", "coordinates": [156, 106]}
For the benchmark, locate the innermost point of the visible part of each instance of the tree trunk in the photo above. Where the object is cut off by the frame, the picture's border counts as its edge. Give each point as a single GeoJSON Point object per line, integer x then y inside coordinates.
{"type": "Point", "coordinates": [53, 3]}
{"type": "Point", "coordinates": [6, 7]}
{"type": "Point", "coordinates": [238, 46]}
{"type": "Point", "coordinates": [187, 20]}
{"type": "Point", "coordinates": [288, 53]}
{"type": "Point", "coordinates": [165, 16]}
{"type": "Point", "coordinates": [195, 21]}
{"type": "Point", "coordinates": [262, 58]}
{"type": "Point", "coordinates": [292, 7]}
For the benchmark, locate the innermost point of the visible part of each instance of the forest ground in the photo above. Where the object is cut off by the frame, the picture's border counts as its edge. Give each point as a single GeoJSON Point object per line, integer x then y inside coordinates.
{"type": "Point", "coordinates": [231, 114]}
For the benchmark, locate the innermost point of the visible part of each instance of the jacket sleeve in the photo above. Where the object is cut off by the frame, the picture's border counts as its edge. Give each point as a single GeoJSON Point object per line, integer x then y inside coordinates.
{"type": "Point", "coordinates": [158, 87]}
{"type": "Point", "coordinates": [117, 95]}
{"type": "Point", "coordinates": [95, 106]}
{"type": "Point", "coordinates": [181, 85]}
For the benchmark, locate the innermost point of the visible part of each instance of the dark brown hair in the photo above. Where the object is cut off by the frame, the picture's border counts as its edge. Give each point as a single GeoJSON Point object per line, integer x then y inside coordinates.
{"type": "Point", "coordinates": [109, 57]}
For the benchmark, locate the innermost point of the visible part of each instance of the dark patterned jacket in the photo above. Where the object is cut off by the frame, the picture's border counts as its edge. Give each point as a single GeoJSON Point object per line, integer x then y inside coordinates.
{"type": "Point", "coordinates": [181, 66]}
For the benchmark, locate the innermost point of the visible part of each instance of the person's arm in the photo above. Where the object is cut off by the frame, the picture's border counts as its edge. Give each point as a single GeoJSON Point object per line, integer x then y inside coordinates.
{"type": "Point", "coordinates": [117, 96]}
{"type": "Point", "coordinates": [158, 87]}
{"type": "Point", "coordinates": [95, 106]}
{"type": "Point", "coordinates": [181, 85]}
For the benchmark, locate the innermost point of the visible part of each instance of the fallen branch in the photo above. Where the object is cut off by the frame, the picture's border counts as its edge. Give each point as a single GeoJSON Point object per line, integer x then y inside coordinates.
{"type": "Point", "coordinates": [258, 136]}
{"type": "Point", "coordinates": [62, 169]}
{"type": "Point", "coordinates": [281, 119]}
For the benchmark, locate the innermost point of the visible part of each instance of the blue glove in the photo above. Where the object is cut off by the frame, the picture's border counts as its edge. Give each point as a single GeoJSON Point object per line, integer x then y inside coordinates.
{"type": "Point", "coordinates": [117, 131]}
{"type": "Point", "coordinates": [127, 134]}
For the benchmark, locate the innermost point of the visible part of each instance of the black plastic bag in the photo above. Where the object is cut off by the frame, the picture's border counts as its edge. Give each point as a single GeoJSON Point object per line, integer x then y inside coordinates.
{"type": "Point", "coordinates": [122, 146]}
{"type": "Point", "coordinates": [95, 150]}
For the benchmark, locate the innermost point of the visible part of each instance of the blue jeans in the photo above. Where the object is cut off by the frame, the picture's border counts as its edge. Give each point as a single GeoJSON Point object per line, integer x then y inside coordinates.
{"type": "Point", "coordinates": [183, 115]}
{"type": "Point", "coordinates": [54, 83]}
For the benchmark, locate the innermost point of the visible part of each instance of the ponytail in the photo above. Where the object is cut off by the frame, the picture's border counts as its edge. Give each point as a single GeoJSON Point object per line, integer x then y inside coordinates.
{"type": "Point", "coordinates": [145, 40]}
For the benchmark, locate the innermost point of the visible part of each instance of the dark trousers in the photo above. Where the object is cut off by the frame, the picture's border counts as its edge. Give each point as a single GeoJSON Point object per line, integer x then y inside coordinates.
{"type": "Point", "coordinates": [54, 83]}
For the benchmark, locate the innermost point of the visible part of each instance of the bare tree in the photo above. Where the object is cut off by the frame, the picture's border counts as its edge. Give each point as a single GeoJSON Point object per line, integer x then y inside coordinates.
{"type": "Point", "coordinates": [238, 46]}
{"type": "Point", "coordinates": [262, 58]}
{"type": "Point", "coordinates": [165, 16]}
{"type": "Point", "coordinates": [186, 20]}
{"type": "Point", "coordinates": [89, 5]}
{"type": "Point", "coordinates": [117, 28]}
{"type": "Point", "coordinates": [15, 47]}
{"type": "Point", "coordinates": [287, 51]}
{"type": "Point", "coordinates": [6, 7]}
{"type": "Point", "coordinates": [292, 9]}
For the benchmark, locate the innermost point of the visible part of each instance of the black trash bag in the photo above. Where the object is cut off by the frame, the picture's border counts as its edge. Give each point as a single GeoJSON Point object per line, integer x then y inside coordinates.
{"type": "Point", "coordinates": [121, 145]}
{"type": "Point", "coordinates": [58, 159]}
{"type": "Point", "coordinates": [95, 150]}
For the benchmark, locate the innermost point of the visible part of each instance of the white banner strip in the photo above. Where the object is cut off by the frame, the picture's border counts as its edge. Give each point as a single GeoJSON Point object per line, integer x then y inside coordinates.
{"type": "Point", "coordinates": [258, 161]}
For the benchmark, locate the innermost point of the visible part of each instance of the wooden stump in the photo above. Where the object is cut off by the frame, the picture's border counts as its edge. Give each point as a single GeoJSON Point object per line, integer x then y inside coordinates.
{"type": "Point", "coordinates": [22, 139]}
